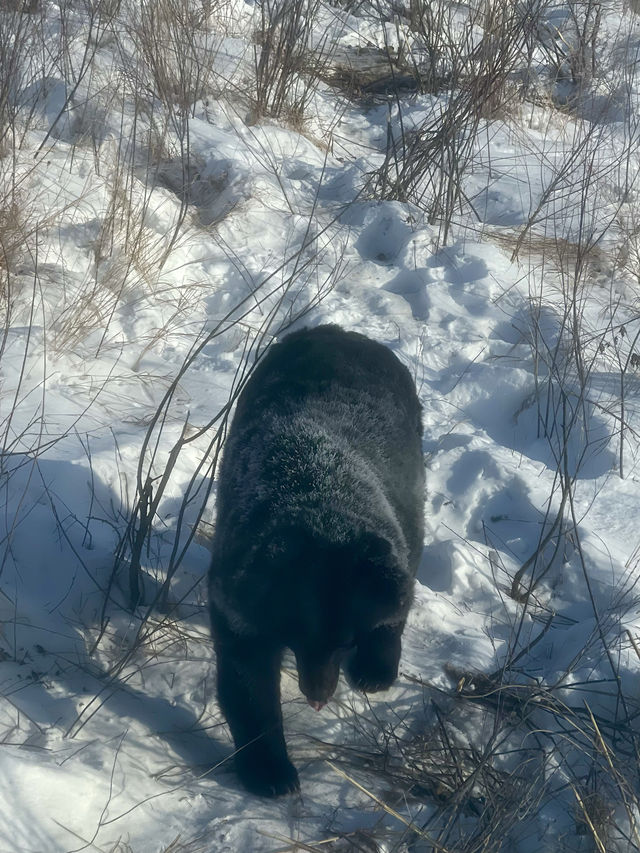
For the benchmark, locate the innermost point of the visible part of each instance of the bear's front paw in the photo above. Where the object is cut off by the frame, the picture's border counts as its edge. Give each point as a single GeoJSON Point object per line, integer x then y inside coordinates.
{"type": "Point", "coordinates": [267, 776]}
{"type": "Point", "coordinates": [370, 674]}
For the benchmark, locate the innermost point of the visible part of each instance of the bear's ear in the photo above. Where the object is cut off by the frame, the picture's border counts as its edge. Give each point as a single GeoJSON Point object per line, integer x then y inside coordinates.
{"type": "Point", "coordinates": [376, 553]}
{"type": "Point", "coordinates": [287, 544]}
{"type": "Point", "coordinates": [380, 584]}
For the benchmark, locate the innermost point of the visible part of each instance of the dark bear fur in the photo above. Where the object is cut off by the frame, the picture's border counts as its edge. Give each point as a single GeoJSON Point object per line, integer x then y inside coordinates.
{"type": "Point", "coordinates": [318, 537]}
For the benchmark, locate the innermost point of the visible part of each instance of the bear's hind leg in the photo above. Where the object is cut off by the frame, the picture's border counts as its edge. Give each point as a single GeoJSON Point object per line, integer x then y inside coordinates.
{"type": "Point", "coordinates": [249, 696]}
{"type": "Point", "coordinates": [374, 664]}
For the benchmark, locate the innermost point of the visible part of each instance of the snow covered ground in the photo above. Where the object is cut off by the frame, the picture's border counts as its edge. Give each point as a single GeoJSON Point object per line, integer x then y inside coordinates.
{"type": "Point", "coordinates": [157, 230]}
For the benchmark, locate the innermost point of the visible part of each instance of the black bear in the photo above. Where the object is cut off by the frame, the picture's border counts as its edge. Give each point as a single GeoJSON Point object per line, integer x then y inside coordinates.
{"type": "Point", "coordinates": [318, 536]}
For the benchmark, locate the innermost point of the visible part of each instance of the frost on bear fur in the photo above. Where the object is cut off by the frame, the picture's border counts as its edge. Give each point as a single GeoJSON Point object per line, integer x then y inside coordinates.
{"type": "Point", "coordinates": [318, 536]}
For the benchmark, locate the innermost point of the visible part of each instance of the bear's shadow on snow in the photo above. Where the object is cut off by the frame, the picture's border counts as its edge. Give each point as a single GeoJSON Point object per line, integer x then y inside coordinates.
{"type": "Point", "coordinates": [59, 562]}
{"type": "Point", "coordinates": [59, 582]}
{"type": "Point", "coordinates": [176, 724]}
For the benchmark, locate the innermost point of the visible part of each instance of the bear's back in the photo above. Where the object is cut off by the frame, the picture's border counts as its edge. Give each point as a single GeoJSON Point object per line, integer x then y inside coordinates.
{"type": "Point", "coordinates": [313, 361]}
{"type": "Point", "coordinates": [327, 435]}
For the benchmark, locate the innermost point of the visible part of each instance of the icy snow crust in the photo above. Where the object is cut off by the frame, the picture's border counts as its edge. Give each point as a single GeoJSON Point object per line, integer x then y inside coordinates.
{"type": "Point", "coordinates": [110, 736]}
